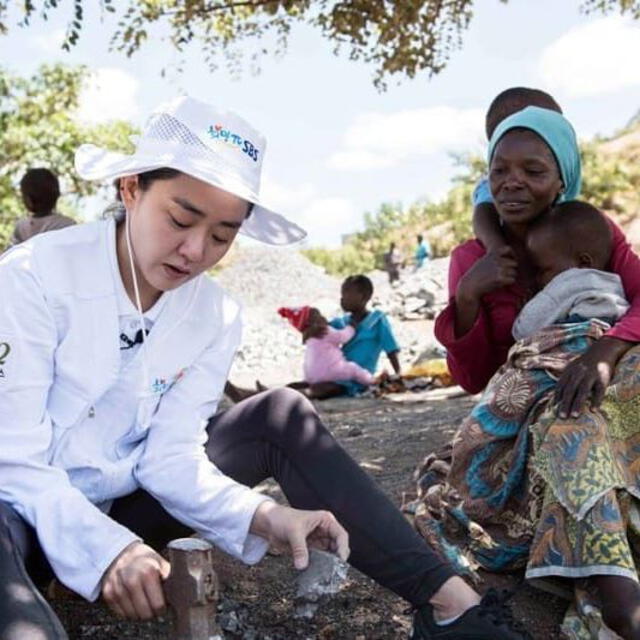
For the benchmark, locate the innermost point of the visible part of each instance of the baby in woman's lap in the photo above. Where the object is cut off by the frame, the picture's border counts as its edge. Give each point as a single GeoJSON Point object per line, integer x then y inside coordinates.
{"type": "Point", "coordinates": [571, 247]}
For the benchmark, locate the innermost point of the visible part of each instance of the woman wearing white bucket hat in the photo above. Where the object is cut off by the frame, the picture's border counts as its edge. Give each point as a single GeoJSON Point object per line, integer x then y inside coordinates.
{"type": "Point", "coordinates": [114, 350]}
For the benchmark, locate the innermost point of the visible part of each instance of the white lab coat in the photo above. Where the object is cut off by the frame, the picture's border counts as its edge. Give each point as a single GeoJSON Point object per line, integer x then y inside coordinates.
{"type": "Point", "coordinates": [77, 432]}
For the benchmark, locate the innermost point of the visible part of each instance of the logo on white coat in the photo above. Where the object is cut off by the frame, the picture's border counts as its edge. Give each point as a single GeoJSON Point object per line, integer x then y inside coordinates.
{"type": "Point", "coordinates": [5, 350]}
{"type": "Point", "coordinates": [160, 385]}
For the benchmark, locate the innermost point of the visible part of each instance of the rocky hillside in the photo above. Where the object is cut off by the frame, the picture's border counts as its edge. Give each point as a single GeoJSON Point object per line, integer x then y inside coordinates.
{"type": "Point", "coordinates": [263, 279]}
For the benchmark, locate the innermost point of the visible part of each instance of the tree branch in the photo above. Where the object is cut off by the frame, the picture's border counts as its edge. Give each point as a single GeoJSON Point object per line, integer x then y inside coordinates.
{"type": "Point", "coordinates": [229, 6]}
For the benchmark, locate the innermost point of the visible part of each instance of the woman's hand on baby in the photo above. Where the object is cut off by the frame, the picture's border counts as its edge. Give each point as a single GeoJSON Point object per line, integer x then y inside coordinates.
{"type": "Point", "coordinates": [132, 585]}
{"type": "Point", "coordinates": [585, 380]}
{"type": "Point", "coordinates": [497, 268]}
{"type": "Point", "coordinates": [297, 530]}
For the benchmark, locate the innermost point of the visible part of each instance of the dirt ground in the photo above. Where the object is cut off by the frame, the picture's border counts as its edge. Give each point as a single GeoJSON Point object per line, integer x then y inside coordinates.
{"type": "Point", "coordinates": [388, 437]}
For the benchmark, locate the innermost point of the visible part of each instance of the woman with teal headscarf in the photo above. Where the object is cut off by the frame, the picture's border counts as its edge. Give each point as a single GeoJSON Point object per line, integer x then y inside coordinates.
{"type": "Point", "coordinates": [552, 488]}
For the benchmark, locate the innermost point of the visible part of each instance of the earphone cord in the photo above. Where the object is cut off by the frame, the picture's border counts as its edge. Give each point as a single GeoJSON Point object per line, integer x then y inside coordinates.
{"type": "Point", "coordinates": [145, 368]}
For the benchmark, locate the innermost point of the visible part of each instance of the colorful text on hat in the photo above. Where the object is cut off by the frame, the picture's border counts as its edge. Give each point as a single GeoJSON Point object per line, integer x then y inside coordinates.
{"type": "Point", "coordinates": [218, 132]}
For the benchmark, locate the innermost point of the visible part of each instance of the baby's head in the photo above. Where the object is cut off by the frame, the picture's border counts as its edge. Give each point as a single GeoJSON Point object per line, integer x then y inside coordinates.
{"type": "Point", "coordinates": [40, 190]}
{"type": "Point", "coordinates": [355, 293]}
{"type": "Point", "coordinates": [303, 317]}
{"type": "Point", "coordinates": [515, 99]}
{"type": "Point", "coordinates": [573, 234]}
{"type": "Point", "coordinates": [316, 318]}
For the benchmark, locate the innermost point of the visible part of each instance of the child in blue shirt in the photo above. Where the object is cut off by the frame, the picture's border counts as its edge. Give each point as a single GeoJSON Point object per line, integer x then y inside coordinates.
{"type": "Point", "coordinates": [422, 253]}
{"type": "Point", "coordinates": [373, 336]}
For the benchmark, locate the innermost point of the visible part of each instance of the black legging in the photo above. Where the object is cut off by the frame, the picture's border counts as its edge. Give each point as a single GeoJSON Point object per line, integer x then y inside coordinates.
{"type": "Point", "coordinates": [276, 434]}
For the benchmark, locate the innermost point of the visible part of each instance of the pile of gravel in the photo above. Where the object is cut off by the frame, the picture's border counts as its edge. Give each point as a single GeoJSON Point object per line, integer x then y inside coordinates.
{"type": "Point", "coordinates": [417, 295]}
{"type": "Point", "coordinates": [269, 278]}
{"type": "Point", "coordinates": [263, 279]}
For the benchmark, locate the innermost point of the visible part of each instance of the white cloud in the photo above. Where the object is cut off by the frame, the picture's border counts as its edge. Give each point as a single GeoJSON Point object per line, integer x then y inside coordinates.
{"type": "Point", "coordinates": [109, 94]}
{"type": "Point", "coordinates": [599, 57]}
{"type": "Point", "coordinates": [284, 197]}
{"type": "Point", "coordinates": [360, 160]}
{"type": "Point", "coordinates": [325, 218]}
{"type": "Point", "coordinates": [328, 219]}
{"type": "Point", "coordinates": [378, 140]}
{"type": "Point", "coordinates": [49, 42]}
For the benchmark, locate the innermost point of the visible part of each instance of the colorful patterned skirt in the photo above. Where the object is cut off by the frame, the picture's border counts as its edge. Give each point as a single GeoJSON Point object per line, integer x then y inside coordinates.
{"type": "Point", "coordinates": [521, 488]}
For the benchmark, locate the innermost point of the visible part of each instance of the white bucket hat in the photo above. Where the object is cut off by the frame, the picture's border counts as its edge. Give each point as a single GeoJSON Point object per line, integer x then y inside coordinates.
{"type": "Point", "coordinates": [215, 146]}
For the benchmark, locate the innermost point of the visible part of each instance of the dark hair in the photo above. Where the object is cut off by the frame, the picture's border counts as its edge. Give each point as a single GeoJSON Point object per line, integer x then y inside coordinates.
{"type": "Point", "coordinates": [40, 190]}
{"type": "Point", "coordinates": [579, 228]}
{"type": "Point", "coordinates": [361, 283]}
{"type": "Point", "coordinates": [515, 99]}
{"type": "Point", "coordinates": [147, 178]}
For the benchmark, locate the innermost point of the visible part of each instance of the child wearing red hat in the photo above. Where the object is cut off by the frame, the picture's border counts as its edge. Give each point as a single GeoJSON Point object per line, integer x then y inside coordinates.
{"type": "Point", "coordinates": [323, 357]}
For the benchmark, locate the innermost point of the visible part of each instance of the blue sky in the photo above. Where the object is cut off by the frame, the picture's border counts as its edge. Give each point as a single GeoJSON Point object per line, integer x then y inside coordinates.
{"type": "Point", "coordinates": [336, 146]}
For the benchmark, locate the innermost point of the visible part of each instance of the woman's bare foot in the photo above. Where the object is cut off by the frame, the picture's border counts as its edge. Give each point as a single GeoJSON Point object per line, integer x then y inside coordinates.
{"type": "Point", "coordinates": [620, 599]}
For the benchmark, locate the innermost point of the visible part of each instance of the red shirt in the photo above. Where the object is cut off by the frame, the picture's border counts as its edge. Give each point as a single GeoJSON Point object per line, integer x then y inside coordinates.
{"type": "Point", "coordinates": [474, 357]}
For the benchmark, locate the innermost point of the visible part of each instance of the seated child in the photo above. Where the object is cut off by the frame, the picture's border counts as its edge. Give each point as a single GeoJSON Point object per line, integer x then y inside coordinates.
{"type": "Point", "coordinates": [373, 332]}
{"type": "Point", "coordinates": [40, 192]}
{"type": "Point", "coordinates": [486, 222]}
{"type": "Point", "coordinates": [323, 357]}
{"type": "Point", "coordinates": [373, 335]}
{"type": "Point", "coordinates": [571, 247]}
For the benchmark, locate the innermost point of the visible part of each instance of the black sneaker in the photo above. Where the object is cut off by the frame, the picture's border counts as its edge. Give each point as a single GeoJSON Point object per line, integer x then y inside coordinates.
{"type": "Point", "coordinates": [492, 619]}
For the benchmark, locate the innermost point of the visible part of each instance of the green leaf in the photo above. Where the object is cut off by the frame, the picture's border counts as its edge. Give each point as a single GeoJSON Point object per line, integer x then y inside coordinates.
{"type": "Point", "coordinates": [37, 117]}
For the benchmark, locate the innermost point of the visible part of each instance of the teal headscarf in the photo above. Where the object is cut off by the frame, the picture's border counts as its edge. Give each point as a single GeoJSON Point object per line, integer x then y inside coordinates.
{"type": "Point", "coordinates": [558, 133]}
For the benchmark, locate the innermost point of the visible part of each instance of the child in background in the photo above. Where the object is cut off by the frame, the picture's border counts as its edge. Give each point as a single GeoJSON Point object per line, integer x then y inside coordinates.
{"type": "Point", "coordinates": [40, 191]}
{"type": "Point", "coordinates": [373, 334]}
{"type": "Point", "coordinates": [323, 358]}
{"type": "Point", "coordinates": [422, 252]}
{"type": "Point", "coordinates": [392, 261]}
{"type": "Point", "coordinates": [570, 247]}
{"type": "Point", "coordinates": [486, 223]}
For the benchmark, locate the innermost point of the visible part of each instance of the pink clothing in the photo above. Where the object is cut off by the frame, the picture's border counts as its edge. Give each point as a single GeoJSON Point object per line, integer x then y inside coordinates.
{"type": "Point", "coordinates": [325, 362]}
{"type": "Point", "coordinates": [474, 357]}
